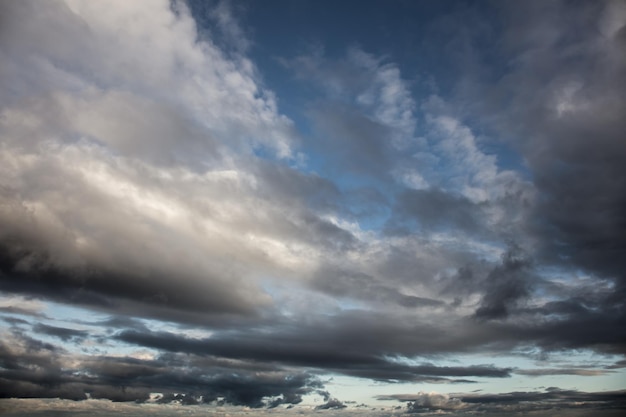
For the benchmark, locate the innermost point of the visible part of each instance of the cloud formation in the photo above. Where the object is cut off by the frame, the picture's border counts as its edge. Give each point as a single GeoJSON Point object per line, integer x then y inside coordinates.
{"type": "Point", "coordinates": [404, 224]}
{"type": "Point", "coordinates": [552, 400]}
{"type": "Point", "coordinates": [34, 369]}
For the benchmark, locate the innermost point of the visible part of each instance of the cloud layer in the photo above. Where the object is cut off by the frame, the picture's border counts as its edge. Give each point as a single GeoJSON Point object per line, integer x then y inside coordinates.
{"type": "Point", "coordinates": [149, 175]}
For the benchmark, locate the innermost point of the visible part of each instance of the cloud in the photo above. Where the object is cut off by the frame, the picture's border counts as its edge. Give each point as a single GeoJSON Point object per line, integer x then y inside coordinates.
{"type": "Point", "coordinates": [562, 113]}
{"type": "Point", "coordinates": [365, 115]}
{"type": "Point", "coordinates": [35, 369]}
{"type": "Point", "coordinates": [435, 209]}
{"type": "Point", "coordinates": [617, 365]}
{"type": "Point", "coordinates": [432, 402]}
{"type": "Point", "coordinates": [60, 332]}
{"type": "Point", "coordinates": [361, 286]}
{"type": "Point", "coordinates": [507, 284]}
{"type": "Point", "coordinates": [331, 404]}
{"type": "Point", "coordinates": [550, 401]}
{"type": "Point", "coordinates": [327, 351]}
{"type": "Point", "coordinates": [114, 156]}
{"type": "Point", "coordinates": [352, 141]}
{"type": "Point", "coordinates": [147, 173]}
{"type": "Point", "coordinates": [21, 306]}
{"type": "Point", "coordinates": [561, 371]}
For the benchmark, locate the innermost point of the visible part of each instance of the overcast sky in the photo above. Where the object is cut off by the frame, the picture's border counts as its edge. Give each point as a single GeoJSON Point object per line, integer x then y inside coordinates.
{"type": "Point", "coordinates": [313, 206]}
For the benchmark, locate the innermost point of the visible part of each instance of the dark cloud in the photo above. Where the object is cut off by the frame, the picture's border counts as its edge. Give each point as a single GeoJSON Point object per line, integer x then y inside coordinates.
{"type": "Point", "coordinates": [296, 349]}
{"type": "Point", "coordinates": [559, 102]}
{"type": "Point", "coordinates": [60, 332]}
{"type": "Point", "coordinates": [148, 295]}
{"type": "Point", "coordinates": [361, 343]}
{"type": "Point", "coordinates": [331, 404]}
{"type": "Point", "coordinates": [40, 354]}
{"type": "Point", "coordinates": [29, 265]}
{"type": "Point", "coordinates": [31, 369]}
{"type": "Point", "coordinates": [561, 371]}
{"type": "Point", "coordinates": [506, 285]}
{"type": "Point", "coordinates": [550, 400]}
{"type": "Point", "coordinates": [602, 332]}
{"type": "Point", "coordinates": [618, 365]}
{"type": "Point", "coordinates": [551, 91]}
{"type": "Point", "coordinates": [613, 399]}
{"type": "Point", "coordinates": [14, 321]}
{"type": "Point", "coordinates": [115, 322]}
{"type": "Point", "coordinates": [287, 398]}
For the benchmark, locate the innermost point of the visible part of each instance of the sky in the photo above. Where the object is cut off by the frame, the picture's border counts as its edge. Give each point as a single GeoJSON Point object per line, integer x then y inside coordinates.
{"type": "Point", "coordinates": [295, 207]}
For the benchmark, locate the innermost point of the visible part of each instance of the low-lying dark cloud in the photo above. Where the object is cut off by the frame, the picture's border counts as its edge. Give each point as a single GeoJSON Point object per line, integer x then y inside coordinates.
{"type": "Point", "coordinates": [32, 369]}
{"type": "Point", "coordinates": [60, 332]}
{"type": "Point", "coordinates": [550, 400]}
{"type": "Point", "coordinates": [294, 351]}
{"type": "Point", "coordinates": [561, 371]}
{"type": "Point", "coordinates": [331, 404]}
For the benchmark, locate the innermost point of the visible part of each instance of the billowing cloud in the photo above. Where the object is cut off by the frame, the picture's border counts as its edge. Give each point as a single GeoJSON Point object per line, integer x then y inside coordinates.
{"type": "Point", "coordinates": [156, 172]}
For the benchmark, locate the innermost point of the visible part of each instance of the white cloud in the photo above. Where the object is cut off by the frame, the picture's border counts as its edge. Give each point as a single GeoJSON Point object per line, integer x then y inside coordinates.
{"type": "Point", "coordinates": [388, 96]}
{"type": "Point", "coordinates": [126, 143]}
{"type": "Point", "coordinates": [411, 178]}
{"type": "Point", "coordinates": [450, 157]}
{"type": "Point", "coordinates": [140, 61]}
{"type": "Point", "coordinates": [21, 305]}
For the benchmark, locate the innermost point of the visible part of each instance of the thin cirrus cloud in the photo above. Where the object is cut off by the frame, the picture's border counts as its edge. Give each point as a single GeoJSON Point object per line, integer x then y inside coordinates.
{"type": "Point", "coordinates": [172, 224]}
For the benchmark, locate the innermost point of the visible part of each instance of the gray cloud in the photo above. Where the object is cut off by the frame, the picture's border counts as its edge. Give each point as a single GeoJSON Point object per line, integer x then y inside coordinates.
{"type": "Point", "coordinates": [515, 402]}
{"type": "Point", "coordinates": [35, 369]}
{"type": "Point", "coordinates": [154, 177]}
{"type": "Point", "coordinates": [332, 352]}
{"type": "Point", "coordinates": [134, 197]}
{"type": "Point", "coordinates": [60, 332]}
{"type": "Point", "coordinates": [506, 284]}
{"type": "Point", "coordinates": [106, 153]}
{"type": "Point", "coordinates": [359, 285]}
{"type": "Point", "coordinates": [331, 404]}
{"type": "Point", "coordinates": [434, 209]}
{"type": "Point", "coordinates": [561, 371]}
{"type": "Point", "coordinates": [352, 142]}
{"type": "Point", "coordinates": [363, 119]}
{"type": "Point", "coordinates": [563, 113]}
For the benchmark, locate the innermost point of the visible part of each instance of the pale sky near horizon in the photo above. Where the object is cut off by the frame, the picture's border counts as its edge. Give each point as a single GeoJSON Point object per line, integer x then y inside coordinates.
{"type": "Point", "coordinates": [296, 205]}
